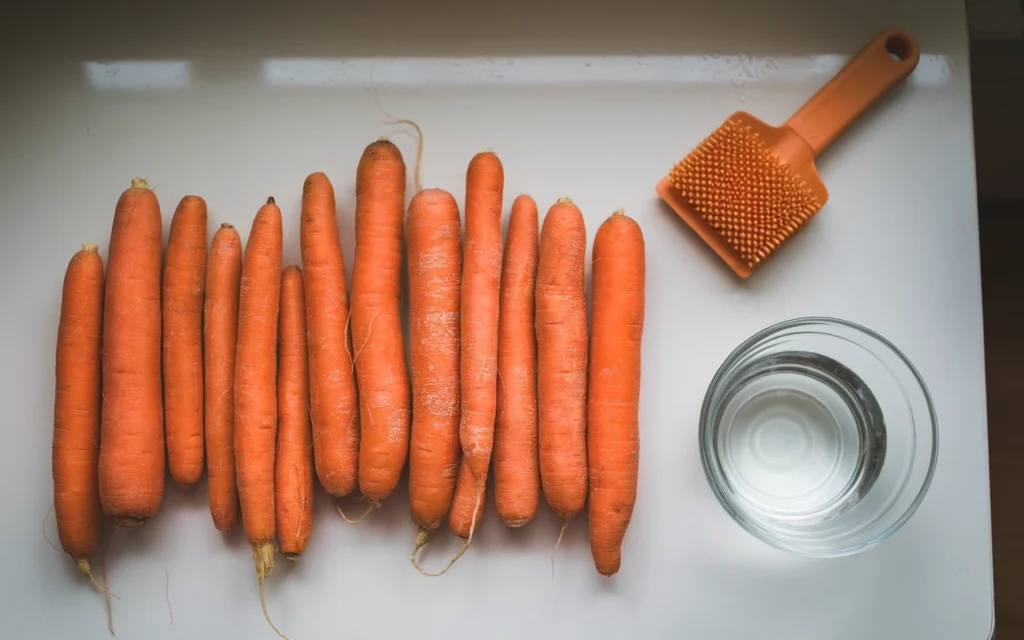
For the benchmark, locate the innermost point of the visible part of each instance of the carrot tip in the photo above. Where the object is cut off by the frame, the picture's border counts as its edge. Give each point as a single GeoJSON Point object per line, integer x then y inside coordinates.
{"type": "Point", "coordinates": [90, 248]}
{"type": "Point", "coordinates": [271, 200]}
{"type": "Point", "coordinates": [226, 225]}
{"type": "Point", "coordinates": [129, 521]}
{"type": "Point", "coordinates": [566, 201]}
{"type": "Point", "coordinates": [292, 556]}
{"type": "Point", "coordinates": [619, 212]}
{"type": "Point", "coordinates": [263, 554]}
{"type": "Point", "coordinates": [140, 183]}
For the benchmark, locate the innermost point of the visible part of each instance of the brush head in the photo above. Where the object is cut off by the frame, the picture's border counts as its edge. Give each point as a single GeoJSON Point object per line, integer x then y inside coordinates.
{"type": "Point", "coordinates": [745, 189]}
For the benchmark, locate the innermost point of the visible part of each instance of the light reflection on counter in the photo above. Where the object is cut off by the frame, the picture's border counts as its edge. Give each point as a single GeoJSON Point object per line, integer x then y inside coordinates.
{"type": "Point", "coordinates": [142, 75]}
{"type": "Point", "coordinates": [571, 70]}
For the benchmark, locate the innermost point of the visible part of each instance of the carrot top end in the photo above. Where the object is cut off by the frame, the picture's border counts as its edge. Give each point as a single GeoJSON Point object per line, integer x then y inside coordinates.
{"type": "Point", "coordinates": [90, 248]}
{"type": "Point", "coordinates": [140, 183]}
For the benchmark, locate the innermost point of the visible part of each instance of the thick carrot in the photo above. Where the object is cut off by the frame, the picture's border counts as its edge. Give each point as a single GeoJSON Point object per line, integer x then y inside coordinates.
{"type": "Point", "coordinates": [435, 278]}
{"type": "Point", "coordinates": [132, 452]}
{"type": "Point", "coordinates": [481, 275]}
{"type": "Point", "coordinates": [256, 377]}
{"type": "Point", "coordinates": [293, 474]}
{"type": "Point", "coordinates": [613, 435]}
{"type": "Point", "coordinates": [332, 391]}
{"type": "Point", "coordinates": [76, 408]}
{"type": "Point", "coordinates": [562, 358]}
{"type": "Point", "coordinates": [220, 336]}
{"type": "Point", "coordinates": [461, 519]}
{"type": "Point", "coordinates": [183, 289]}
{"type": "Point", "coordinates": [516, 476]}
{"type": "Point", "coordinates": [256, 386]}
{"type": "Point", "coordinates": [378, 350]}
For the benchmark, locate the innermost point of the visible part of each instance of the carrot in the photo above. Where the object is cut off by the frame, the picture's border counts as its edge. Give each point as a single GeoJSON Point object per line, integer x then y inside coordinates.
{"type": "Point", "coordinates": [562, 358]}
{"type": "Point", "coordinates": [332, 391]}
{"type": "Point", "coordinates": [220, 335]}
{"type": "Point", "coordinates": [256, 386]}
{"type": "Point", "coordinates": [293, 471]}
{"type": "Point", "coordinates": [76, 409]}
{"type": "Point", "coordinates": [435, 279]}
{"type": "Point", "coordinates": [463, 519]}
{"type": "Point", "coordinates": [613, 436]}
{"type": "Point", "coordinates": [379, 353]}
{"type": "Point", "coordinates": [183, 289]}
{"type": "Point", "coordinates": [481, 276]}
{"type": "Point", "coordinates": [131, 463]}
{"type": "Point", "coordinates": [516, 477]}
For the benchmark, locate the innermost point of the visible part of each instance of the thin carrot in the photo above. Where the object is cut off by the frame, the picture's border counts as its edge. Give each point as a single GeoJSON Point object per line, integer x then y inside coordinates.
{"type": "Point", "coordinates": [220, 336]}
{"type": "Point", "coordinates": [256, 386]}
{"type": "Point", "coordinates": [613, 435]}
{"type": "Point", "coordinates": [293, 472]}
{"type": "Point", "coordinates": [481, 275]}
{"type": "Point", "coordinates": [461, 519]}
{"type": "Point", "coordinates": [435, 279]}
{"type": "Point", "coordinates": [379, 353]}
{"type": "Point", "coordinates": [332, 391]}
{"type": "Point", "coordinates": [184, 286]}
{"type": "Point", "coordinates": [76, 411]}
{"type": "Point", "coordinates": [132, 452]}
{"type": "Point", "coordinates": [516, 476]}
{"type": "Point", "coordinates": [562, 358]}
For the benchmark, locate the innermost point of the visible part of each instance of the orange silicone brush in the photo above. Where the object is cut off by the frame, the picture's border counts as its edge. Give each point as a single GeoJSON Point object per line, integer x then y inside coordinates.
{"type": "Point", "coordinates": [748, 186]}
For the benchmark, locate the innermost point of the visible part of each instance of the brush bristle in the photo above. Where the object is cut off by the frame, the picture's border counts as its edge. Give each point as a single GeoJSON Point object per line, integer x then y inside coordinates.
{"type": "Point", "coordinates": [743, 191]}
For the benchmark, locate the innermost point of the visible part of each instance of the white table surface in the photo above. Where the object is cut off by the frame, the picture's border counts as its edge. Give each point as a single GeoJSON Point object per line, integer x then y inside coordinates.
{"type": "Point", "coordinates": [589, 100]}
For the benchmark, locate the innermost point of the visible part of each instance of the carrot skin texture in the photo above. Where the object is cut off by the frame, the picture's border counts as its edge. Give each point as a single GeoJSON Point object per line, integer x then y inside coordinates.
{"type": "Point", "coordinates": [516, 473]}
{"type": "Point", "coordinates": [220, 334]}
{"type": "Point", "coordinates": [132, 451]}
{"type": "Point", "coordinates": [256, 375]}
{"type": "Point", "coordinates": [378, 348]}
{"type": "Point", "coordinates": [76, 413]}
{"type": "Point", "coordinates": [562, 359]}
{"type": "Point", "coordinates": [332, 391]}
{"type": "Point", "coordinates": [184, 287]}
{"type": "Point", "coordinates": [435, 280]}
{"type": "Point", "coordinates": [613, 436]}
{"type": "Point", "coordinates": [481, 276]}
{"type": "Point", "coordinates": [467, 487]}
{"type": "Point", "coordinates": [293, 466]}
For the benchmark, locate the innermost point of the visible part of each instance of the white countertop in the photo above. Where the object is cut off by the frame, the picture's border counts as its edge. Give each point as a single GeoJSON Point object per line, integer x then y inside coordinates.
{"type": "Point", "coordinates": [589, 100]}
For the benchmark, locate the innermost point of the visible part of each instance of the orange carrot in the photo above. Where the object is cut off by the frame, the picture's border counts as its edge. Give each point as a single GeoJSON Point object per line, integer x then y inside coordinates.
{"type": "Point", "coordinates": [132, 452]}
{"type": "Point", "coordinates": [220, 336]}
{"type": "Point", "coordinates": [613, 436]}
{"type": "Point", "coordinates": [293, 474]}
{"type": "Point", "coordinates": [256, 376]}
{"type": "Point", "coordinates": [481, 277]}
{"type": "Point", "coordinates": [379, 353]}
{"type": "Point", "coordinates": [516, 477]}
{"type": "Point", "coordinates": [332, 391]}
{"type": "Point", "coordinates": [183, 290]}
{"type": "Point", "coordinates": [256, 386]}
{"type": "Point", "coordinates": [435, 278]}
{"type": "Point", "coordinates": [562, 358]}
{"type": "Point", "coordinates": [461, 519]}
{"type": "Point", "coordinates": [76, 410]}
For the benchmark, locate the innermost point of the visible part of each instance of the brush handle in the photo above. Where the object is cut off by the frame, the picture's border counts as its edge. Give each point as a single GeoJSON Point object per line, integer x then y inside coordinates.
{"type": "Point", "coordinates": [885, 62]}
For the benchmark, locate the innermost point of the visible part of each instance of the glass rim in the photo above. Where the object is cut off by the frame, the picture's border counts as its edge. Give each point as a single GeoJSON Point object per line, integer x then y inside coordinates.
{"type": "Point", "coordinates": [715, 478]}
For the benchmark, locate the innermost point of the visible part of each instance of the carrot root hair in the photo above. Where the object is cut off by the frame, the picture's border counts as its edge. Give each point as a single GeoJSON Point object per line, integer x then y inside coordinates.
{"type": "Point", "coordinates": [419, 141]}
{"type": "Point", "coordinates": [370, 506]}
{"type": "Point", "coordinates": [106, 582]}
{"type": "Point", "coordinates": [423, 538]}
{"type": "Point", "coordinates": [555, 550]}
{"type": "Point", "coordinates": [263, 554]}
{"type": "Point", "coordinates": [465, 545]}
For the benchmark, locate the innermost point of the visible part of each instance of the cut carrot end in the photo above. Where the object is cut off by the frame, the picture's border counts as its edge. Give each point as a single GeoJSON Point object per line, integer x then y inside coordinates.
{"type": "Point", "coordinates": [566, 201]}
{"type": "Point", "coordinates": [226, 225]}
{"type": "Point", "coordinates": [90, 248]}
{"type": "Point", "coordinates": [292, 556]}
{"type": "Point", "coordinates": [270, 200]}
{"type": "Point", "coordinates": [263, 554]}
{"type": "Point", "coordinates": [619, 212]}
{"type": "Point", "coordinates": [140, 183]}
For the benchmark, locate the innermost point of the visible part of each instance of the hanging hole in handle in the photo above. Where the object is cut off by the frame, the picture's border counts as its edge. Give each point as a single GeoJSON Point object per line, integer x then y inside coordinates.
{"type": "Point", "coordinates": [899, 47]}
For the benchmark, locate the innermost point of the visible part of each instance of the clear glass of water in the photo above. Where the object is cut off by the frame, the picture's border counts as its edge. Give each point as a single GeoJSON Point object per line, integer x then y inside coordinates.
{"type": "Point", "coordinates": [819, 437]}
